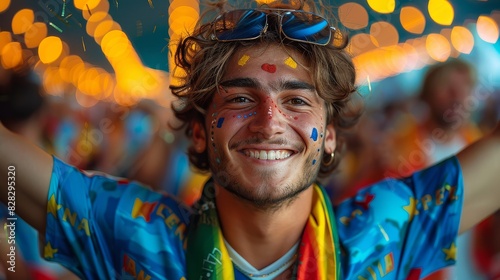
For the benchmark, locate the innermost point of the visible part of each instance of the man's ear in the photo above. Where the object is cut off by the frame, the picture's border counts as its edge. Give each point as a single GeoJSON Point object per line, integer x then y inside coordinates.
{"type": "Point", "coordinates": [199, 137]}
{"type": "Point", "coordinates": [330, 139]}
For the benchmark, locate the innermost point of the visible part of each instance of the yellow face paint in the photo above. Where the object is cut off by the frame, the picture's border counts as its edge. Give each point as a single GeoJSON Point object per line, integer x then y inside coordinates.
{"type": "Point", "coordinates": [243, 60]}
{"type": "Point", "coordinates": [291, 63]}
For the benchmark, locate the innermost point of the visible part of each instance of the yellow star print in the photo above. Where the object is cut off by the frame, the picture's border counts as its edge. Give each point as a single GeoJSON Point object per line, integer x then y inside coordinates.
{"type": "Point", "coordinates": [52, 206]}
{"type": "Point", "coordinates": [411, 208]}
{"type": "Point", "coordinates": [48, 251]}
{"type": "Point", "coordinates": [450, 252]}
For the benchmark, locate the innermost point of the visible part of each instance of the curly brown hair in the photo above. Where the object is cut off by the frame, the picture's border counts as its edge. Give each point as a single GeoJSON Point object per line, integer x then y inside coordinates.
{"type": "Point", "coordinates": [204, 61]}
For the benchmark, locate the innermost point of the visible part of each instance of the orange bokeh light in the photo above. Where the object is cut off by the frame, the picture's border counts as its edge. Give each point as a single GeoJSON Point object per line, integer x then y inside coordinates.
{"type": "Point", "coordinates": [50, 49]}
{"type": "Point", "coordinates": [22, 21]}
{"type": "Point", "coordinates": [412, 20]}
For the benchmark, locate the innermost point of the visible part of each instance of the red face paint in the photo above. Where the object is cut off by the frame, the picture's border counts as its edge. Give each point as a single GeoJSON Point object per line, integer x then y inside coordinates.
{"type": "Point", "coordinates": [271, 68]}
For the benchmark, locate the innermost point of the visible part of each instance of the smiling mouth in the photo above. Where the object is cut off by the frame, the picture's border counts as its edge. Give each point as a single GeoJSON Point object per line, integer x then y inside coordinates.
{"type": "Point", "coordinates": [268, 154]}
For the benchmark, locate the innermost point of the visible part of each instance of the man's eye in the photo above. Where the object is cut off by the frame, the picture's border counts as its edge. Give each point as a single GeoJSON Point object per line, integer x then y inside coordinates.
{"type": "Point", "coordinates": [239, 99]}
{"type": "Point", "coordinates": [297, 101]}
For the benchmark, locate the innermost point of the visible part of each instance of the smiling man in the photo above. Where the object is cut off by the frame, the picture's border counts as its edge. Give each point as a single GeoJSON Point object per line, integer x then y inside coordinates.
{"type": "Point", "coordinates": [264, 102]}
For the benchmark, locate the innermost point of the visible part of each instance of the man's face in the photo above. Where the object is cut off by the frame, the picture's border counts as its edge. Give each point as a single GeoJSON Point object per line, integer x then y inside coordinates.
{"type": "Point", "coordinates": [265, 128]}
{"type": "Point", "coordinates": [449, 97]}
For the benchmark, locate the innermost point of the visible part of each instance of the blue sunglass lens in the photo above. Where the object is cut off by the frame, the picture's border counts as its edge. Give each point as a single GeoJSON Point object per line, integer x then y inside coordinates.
{"type": "Point", "coordinates": [306, 27]}
{"type": "Point", "coordinates": [240, 24]}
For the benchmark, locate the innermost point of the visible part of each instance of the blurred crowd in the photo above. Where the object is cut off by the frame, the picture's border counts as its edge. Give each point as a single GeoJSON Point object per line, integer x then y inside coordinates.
{"type": "Point", "coordinates": [449, 111]}
{"type": "Point", "coordinates": [138, 142]}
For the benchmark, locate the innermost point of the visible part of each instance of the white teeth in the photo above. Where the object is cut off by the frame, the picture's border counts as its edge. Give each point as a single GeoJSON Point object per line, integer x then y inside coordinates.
{"type": "Point", "coordinates": [263, 155]}
{"type": "Point", "coordinates": [271, 155]}
{"type": "Point", "coordinates": [268, 155]}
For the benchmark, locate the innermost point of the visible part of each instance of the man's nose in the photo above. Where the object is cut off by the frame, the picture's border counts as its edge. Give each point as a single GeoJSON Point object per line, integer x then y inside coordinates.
{"type": "Point", "coordinates": [268, 121]}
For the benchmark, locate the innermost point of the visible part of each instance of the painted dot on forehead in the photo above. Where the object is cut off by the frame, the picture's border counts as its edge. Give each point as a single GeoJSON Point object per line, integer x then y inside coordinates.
{"type": "Point", "coordinates": [271, 68]}
{"type": "Point", "coordinates": [243, 60]}
{"type": "Point", "coordinates": [314, 134]}
{"type": "Point", "coordinates": [290, 62]}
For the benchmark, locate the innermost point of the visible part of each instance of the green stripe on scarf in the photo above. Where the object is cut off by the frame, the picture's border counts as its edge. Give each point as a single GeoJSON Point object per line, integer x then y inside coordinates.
{"type": "Point", "coordinates": [207, 256]}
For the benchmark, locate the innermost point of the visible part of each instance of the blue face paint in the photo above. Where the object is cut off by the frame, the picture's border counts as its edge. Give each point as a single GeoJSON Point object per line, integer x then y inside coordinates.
{"type": "Point", "coordinates": [314, 134]}
{"type": "Point", "coordinates": [219, 122]}
{"type": "Point", "coordinates": [314, 161]}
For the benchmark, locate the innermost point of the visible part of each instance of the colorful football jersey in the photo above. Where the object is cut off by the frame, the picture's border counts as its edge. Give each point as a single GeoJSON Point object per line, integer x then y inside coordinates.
{"type": "Point", "coordinates": [103, 227]}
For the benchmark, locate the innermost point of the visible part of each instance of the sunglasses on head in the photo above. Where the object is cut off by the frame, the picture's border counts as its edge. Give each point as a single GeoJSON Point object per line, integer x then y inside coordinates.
{"type": "Point", "coordinates": [250, 24]}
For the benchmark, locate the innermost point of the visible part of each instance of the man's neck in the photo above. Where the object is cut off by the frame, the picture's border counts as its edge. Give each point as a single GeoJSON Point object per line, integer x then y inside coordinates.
{"type": "Point", "coordinates": [262, 237]}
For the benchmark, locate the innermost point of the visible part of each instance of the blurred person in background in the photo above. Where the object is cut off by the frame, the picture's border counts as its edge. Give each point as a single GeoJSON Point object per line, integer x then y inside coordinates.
{"type": "Point", "coordinates": [445, 127]}
{"type": "Point", "coordinates": [23, 111]}
{"type": "Point", "coordinates": [404, 136]}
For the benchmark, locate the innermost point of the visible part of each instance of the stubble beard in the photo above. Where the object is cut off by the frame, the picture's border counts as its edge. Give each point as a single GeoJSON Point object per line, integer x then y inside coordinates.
{"type": "Point", "coordinates": [263, 196]}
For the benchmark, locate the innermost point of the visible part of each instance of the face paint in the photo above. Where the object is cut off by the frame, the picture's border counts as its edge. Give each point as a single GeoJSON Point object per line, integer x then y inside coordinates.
{"type": "Point", "coordinates": [245, 116]}
{"type": "Point", "coordinates": [271, 68]}
{"type": "Point", "coordinates": [314, 134]}
{"type": "Point", "coordinates": [291, 63]}
{"type": "Point", "coordinates": [243, 60]}
{"type": "Point", "coordinates": [214, 121]}
{"type": "Point", "coordinates": [220, 122]}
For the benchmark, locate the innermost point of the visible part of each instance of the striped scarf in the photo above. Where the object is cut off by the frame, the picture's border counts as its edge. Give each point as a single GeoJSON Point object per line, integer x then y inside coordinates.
{"type": "Point", "coordinates": [319, 250]}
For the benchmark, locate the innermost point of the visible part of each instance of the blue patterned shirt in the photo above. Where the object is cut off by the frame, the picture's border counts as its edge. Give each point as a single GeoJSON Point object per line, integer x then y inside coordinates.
{"type": "Point", "coordinates": [103, 227]}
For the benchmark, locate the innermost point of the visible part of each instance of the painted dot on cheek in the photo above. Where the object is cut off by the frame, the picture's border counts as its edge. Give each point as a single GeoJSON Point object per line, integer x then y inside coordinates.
{"type": "Point", "coordinates": [314, 161]}
{"type": "Point", "coordinates": [314, 134]}
{"type": "Point", "coordinates": [220, 122]}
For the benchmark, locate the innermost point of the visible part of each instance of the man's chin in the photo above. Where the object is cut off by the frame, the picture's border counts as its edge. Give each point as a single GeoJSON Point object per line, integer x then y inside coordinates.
{"type": "Point", "coordinates": [266, 200]}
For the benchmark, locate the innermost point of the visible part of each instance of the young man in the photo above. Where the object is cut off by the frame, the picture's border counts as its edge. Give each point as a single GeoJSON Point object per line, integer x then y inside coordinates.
{"type": "Point", "coordinates": [264, 100]}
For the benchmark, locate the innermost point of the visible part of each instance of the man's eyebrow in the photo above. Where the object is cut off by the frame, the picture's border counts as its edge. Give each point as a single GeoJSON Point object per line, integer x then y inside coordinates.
{"type": "Point", "coordinates": [241, 82]}
{"type": "Point", "coordinates": [278, 86]}
{"type": "Point", "coordinates": [291, 85]}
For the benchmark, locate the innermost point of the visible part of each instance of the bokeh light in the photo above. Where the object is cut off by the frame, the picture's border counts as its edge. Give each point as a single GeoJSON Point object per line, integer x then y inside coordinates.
{"type": "Point", "coordinates": [360, 43]}
{"type": "Point", "coordinates": [382, 6]}
{"type": "Point", "coordinates": [441, 11]}
{"type": "Point", "coordinates": [5, 38]}
{"type": "Point", "coordinates": [412, 20]}
{"type": "Point", "coordinates": [94, 20]}
{"type": "Point", "coordinates": [384, 34]}
{"type": "Point", "coordinates": [87, 4]}
{"type": "Point", "coordinates": [103, 28]}
{"type": "Point", "coordinates": [438, 47]}
{"type": "Point", "coordinates": [446, 32]}
{"type": "Point", "coordinates": [353, 15]}
{"type": "Point", "coordinates": [22, 21]}
{"type": "Point", "coordinates": [487, 29]}
{"type": "Point", "coordinates": [102, 6]}
{"type": "Point", "coordinates": [52, 82]}
{"type": "Point", "coordinates": [462, 39]}
{"type": "Point", "coordinates": [35, 34]}
{"type": "Point", "coordinates": [194, 4]}
{"type": "Point", "coordinates": [4, 5]}
{"type": "Point", "coordinates": [12, 55]}
{"type": "Point", "coordinates": [50, 49]}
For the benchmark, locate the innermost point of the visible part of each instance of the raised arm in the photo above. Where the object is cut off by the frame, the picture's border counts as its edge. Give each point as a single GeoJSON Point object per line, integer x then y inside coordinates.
{"type": "Point", "coordinates": [481, 172]}
{"type": "Point", "coordinates": [26, 169]}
